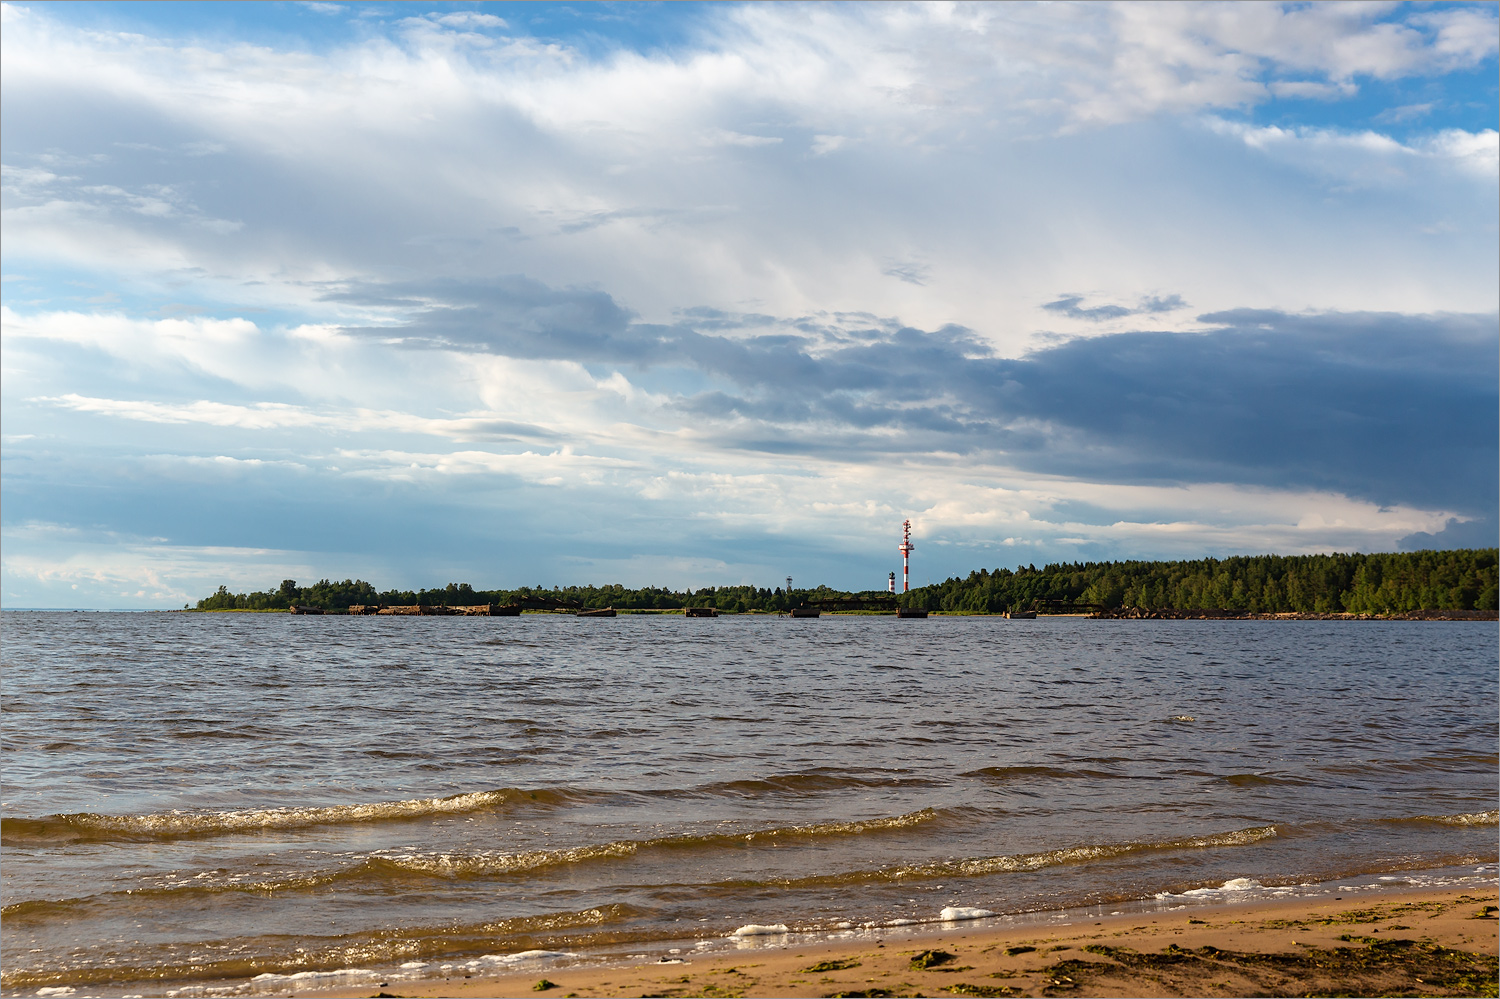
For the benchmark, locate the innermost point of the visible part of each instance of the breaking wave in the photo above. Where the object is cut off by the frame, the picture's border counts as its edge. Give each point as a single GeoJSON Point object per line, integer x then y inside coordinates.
{"type": "Point", "coordinates": [301, 960]}
{"type": "Point", "coordinates": [388, 866]}
{"type": "Point", "coordinates": [1005, 774]}
{"type": "Point", "coordinates": [1490, 818]}
{"type": "Point", "coordinates": [980, 866]}
{"type": "Point", "coordinates": [800, 784]}
{"type": "Point", "coordinates": [182, 824]}
{"type": "Point", "coordinates": [498, 863]}
{"type": "Point", "coordinates": [94, 827]}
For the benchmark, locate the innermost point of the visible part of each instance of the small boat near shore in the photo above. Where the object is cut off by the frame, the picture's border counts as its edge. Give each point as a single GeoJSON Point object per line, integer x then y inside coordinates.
{"type": "Point", "coordinates": [598, 612]}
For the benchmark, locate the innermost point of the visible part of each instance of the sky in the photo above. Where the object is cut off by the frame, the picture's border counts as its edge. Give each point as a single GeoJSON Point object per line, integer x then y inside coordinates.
{"type": "Point", "coordinates": [709, 294]}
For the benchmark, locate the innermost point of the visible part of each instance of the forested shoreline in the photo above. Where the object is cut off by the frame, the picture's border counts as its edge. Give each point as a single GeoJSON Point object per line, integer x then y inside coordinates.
{"type": "Point", "coordinates": [1264, 584]}
{"type": "Point", "coordinates": [1394, 583]}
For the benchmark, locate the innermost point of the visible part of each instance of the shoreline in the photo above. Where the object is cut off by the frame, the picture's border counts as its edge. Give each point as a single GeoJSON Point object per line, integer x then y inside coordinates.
{"type": "Point", "coordinates": [1365, 935]}
{"type": "Point", "coordinates": [1118, 614]}
{"type": "Point", "coordinates": [1425, 933]}
{"type": "Point", "coordinates": [1123, 614]}
{"type": "Point", "coordinates": [1425, 941]}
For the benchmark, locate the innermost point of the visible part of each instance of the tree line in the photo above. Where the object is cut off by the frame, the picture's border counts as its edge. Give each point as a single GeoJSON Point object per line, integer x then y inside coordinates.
{"type": "Point", "coordinates": [1320, 584]}
{"type": "Point", "coordinates": [1355, 583]}
{"type": "Point", "coordinates": [331, 595]}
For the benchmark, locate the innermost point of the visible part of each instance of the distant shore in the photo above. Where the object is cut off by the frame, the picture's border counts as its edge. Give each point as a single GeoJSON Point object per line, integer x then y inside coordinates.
{"type": "Point", "coordinates": [1121, 614]}
{"type": "Point", "coordinates": [1316, 587]}
{"type": "Point", "coordinates": [1427, 942]}
{"type": "Point", "coordinates": [1142, 614]}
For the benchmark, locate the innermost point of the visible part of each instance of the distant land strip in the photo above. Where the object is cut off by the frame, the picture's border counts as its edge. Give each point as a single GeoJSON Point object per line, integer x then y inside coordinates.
{"type": "Point", "coordinates": [1426, 585]}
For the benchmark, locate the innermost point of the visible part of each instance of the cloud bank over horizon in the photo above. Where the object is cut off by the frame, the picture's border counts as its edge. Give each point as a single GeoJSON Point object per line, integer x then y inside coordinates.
{"type": "Point", "coordinates": [518, 295]}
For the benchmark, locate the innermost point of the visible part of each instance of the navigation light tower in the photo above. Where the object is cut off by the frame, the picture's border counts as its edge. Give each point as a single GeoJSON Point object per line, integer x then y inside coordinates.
{"type": "Point", "coordinates": [905, 548]}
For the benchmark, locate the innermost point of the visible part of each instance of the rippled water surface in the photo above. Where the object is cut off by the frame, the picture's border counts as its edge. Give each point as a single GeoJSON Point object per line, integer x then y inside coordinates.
{"type": "Point", "coordinates": [195, 797]}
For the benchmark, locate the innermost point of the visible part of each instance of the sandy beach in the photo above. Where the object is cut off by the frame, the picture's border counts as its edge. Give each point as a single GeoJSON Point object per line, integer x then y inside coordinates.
{"type": "Point", "coordinates": [1434, 942]}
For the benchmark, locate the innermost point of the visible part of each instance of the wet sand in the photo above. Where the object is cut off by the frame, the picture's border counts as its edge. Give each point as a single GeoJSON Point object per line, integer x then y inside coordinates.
{"type": "Point", "coordinates": [1433, 942]}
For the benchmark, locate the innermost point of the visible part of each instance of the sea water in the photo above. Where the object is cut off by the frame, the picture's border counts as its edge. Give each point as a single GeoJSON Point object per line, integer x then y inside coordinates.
{"type": "Point", "coordinates": [257, 801]}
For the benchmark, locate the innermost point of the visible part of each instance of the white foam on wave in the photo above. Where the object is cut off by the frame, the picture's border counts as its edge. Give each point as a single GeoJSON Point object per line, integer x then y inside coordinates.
{"type": "Point", "coordinates": [307, 976]}
{"type": "Point", "coordinates": [494, 862]}
{"type": "Point", "coordinates": [489, 862]}
{"type": "Point", "coordinates": [504, 960]}
{"type": "Point", "coordinates": [56, 990]}
{"type": "Point", "coordinates": [954, 913]}
{"type": "Point", "coordinates": [760, 930]}
{"type": "Point", "coordinates": [1231, 886]}
{"type": "Point", "coordinates": [979, 866]}
{"type": "Point", "coordinates": [525, 955]}
{"type": "Point", "coordinates": [179, 823]}
{"type": "Point", "coordinates": [1489, 818]}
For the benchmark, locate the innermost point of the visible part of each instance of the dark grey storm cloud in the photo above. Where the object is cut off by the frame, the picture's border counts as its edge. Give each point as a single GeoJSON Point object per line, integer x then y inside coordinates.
{"type": "Point", "coordinates": [1480, 532]}
{"type": "Point", "coordinates": [802, 364]}
{"type": "Point", "coordinates": [1389, 408]}
{"type": "Point", "coordinates": [1395, 409]}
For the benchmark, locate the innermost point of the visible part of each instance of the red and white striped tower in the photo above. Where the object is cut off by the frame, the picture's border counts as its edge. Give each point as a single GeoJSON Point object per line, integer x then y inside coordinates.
{"type": "Point", "coordinates": [905, 548]}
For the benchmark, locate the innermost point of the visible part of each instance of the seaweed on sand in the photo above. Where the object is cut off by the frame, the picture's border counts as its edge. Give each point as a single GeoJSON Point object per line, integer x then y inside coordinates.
{"type": "Point", "coordinates": [1376, 966]}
